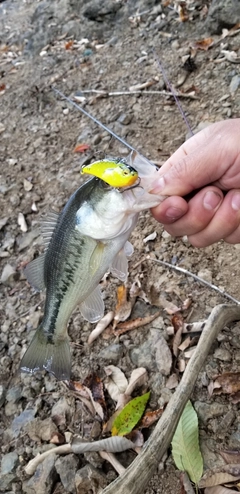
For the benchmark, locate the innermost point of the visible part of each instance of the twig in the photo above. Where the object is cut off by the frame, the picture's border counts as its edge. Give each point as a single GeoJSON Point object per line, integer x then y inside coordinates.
{"type": "Point", "coordinates": [197, 278]}
{"type": "Point", "coordinates": [129, 93]}
{"type": "Point", "coordinates": [111, 458]}
{"type": "Point", "coordinates": [59, 450]}
{"type": "Point", "coordinates": [138, 474]}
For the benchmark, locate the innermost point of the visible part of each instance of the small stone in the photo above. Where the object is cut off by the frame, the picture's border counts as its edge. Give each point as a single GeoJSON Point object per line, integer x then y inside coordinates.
{"type": "Point", "coordinates": [166, 395]}
{"type": "Point", "coordinates": [26, 240]}
{"type": "Point", "coordinates": [88, 479]}
{"type": "Point", "coordinates": [14, 394]}
{"type": "Point", "coordinates": [65, 111]}
{"type": "Point", "coordinates": [60, 412]}
{"type": "Point", "coordinates": [27, 185]}
{"type": "Point", "coordinates": [41, 429]}
{"type": "Point", "coordinates": [163, 356]}
{"type": "Point", "coordinates": [234, 440]}
{"type": "Point", "coordinates": [2, 127]}
{"type": "Point", "coordinates": [207, 411]}
{"type": "Point", "coordinates": [112, 353]}
{"type": "Point", "coordinates": [223, 354]}
{"type": "Point", "coordinates": [96, 139]}
{"type": "Point", "coordinates": [66, 467]}
{"type": "Point", "coordinates": [2, 395]}
{"type": "Point", "coordinates": [43, 480]}
{"type": "Point", "coordinates": [9, 463]}
{"type": "Point", "coordinates": [205, 274]}
{"type": "Point", "coordinates": [125, 118]}
{"type": "Point", "coordinates": [21, 420]}
{"type": "Point", "coordinates": [8, 275]}
{"type": "Point", "coordinates": [234, 84]}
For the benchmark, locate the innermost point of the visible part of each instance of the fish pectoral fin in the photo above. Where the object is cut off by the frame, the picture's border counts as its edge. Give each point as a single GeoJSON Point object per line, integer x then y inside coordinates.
{"type": "Point", "coordinates": [92, 308]}
{"type": "Point", "coordinates": [53, 357]}
{"type": "Point", "coordinates": [34, 272]}
{"type": "Point", "coordinates": [48, 226]}
{"type": "Point", "coordinates": [128, 249]}
{"type": "Point", "coordinates": [96, 258]}
{"type": "Point", "coordinates": [119, 267]}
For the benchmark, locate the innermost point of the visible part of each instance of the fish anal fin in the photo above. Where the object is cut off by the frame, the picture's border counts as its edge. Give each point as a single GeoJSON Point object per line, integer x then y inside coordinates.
{"type": "Point", "coordinates": [92, 308]}
{"type": "Point", "coordinates": [48, 226]}
{"type": "Point", "coordinates": [34, 272]}
{"type": "Point", "coordinates": [42, 355]}
{"type": "Point", "coordinates": [119, 267]}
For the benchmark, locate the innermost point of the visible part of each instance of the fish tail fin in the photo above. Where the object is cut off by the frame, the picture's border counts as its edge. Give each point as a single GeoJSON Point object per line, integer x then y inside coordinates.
{"type": "Point", "coordinates": [52, 356]}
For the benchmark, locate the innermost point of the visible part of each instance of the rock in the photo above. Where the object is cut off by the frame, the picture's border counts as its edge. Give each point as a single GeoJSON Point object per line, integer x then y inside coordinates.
{"type": "Point", "coordinates": [222, 14]}
{"type": "Point", "coordinates": [60, 412]}
{"type": "Point", "coordinates": [2, 395]}
{"type": "Point", "coordinates": [21, 420]}
{"type": "Point", "coordinates": [41, 429]}
{"type": "Point", "coordinates": [14, 394]}
{"type": "Point", "coordinates": [205, 274]}
{"type": "Point", "coordinates": [223, 354]}
{"type": "Point", "coordinates": [66, 467]}
{"type": "Point", "coordinates": [43, 480]}
{"type": "Point", "coordinates": [166, 395]}
{"type": "Point", "coordinates": [112, 353]}
{"type": "Point", "coordinates": [125, 118]}
{"type": "Point", "coordinates": [234, 84]}
{"type": "Point", "coordinates": [9, 464]}
{"type": "Point", "coordinates": [88, 479]}
{"type": "Point", "coordinates": [234, 440]}
{"type": "Point", "coordinates": [8, 275]}
{"type": "Point", "coordinates": [208, 411]}
{"type": "Point", "coordinates": [26, 240]}
{"type": "Point", "coordinates": [163, 356]}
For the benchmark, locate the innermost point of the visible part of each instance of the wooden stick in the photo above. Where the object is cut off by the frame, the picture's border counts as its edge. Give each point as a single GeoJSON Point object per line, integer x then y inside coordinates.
{"type": "Point", "coordinates": [129, 93]}
{"type": "Point", "coordinates": [138, 474]}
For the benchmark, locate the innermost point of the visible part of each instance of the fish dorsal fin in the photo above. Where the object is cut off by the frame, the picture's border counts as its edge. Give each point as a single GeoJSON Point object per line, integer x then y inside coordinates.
{"type": "Point", "coordinates": [92, 308]}
{"type": "Point", "coordinates": [142, 165]}
{"type": "Point", "coordinates": [34, 272]}
{"type": "Point", "coordinates": [48, 226]}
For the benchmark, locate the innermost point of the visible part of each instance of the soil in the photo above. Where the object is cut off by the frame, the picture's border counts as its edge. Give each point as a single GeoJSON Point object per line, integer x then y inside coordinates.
{"type": "Point", "coordinates": [112, 51]}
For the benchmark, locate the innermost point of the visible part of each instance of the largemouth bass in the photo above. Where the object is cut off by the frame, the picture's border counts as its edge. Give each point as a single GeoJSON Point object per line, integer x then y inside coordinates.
{"type": "Point", "coordinates": [89, 237]}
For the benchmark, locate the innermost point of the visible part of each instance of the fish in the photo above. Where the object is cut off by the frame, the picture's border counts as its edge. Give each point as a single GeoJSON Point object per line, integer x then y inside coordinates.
{"type": "Point", "coordinates": [88, 238]}
{"type": "Point", "coordinates": [115, 172]}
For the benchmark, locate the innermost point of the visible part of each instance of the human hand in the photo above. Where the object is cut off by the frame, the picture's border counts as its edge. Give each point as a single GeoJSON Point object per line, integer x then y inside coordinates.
{"type": "Point", "coordinates": [205, 166]}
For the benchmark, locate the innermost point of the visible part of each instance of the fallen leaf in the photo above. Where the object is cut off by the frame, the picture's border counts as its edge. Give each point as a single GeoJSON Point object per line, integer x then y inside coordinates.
{"type": "Point", "coordinates": [100, 327]}
{"type": "Point", "coordinates": [231, 456]}
{"type": "Point", "coordinates": [123, 307]}
{"type": "Point", "coordinates": [218, 489]}
{"type": "Point", "coordinates": [185, 444]}
{"type": "Point", "coordinates": [228, 383]}
{"type": "Point", "coordinates": [130, 415]}
{"type": "Point", "coordinates": [137, 438]}
{"type": "Point", "coordinates": [116, 382]}
{"type": "Point", "coordinates": [80, 148]}
{"type": "Point", "coordinates": [149, 418]}
{"type": "Point", "coordinates": [86, 397]}
{"type": "Point", "coordinates": [203, 44]}
{"type": "Point", "coordinates": [220, 475]}
{"type": "Point", "coordinates": [138, 377]}
{"type": "Point", "coordinates": [95, 384]}
{"type": "Point", "coordinates": [135, 323]}
{"type": "Point", "coordinates": [69, 44]}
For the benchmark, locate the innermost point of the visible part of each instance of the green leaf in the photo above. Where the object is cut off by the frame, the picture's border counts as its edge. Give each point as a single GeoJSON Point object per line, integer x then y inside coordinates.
{"type": "Point", "coordinates": [130, 415]}
{"type": "Point", "coordinates": [185, 444]}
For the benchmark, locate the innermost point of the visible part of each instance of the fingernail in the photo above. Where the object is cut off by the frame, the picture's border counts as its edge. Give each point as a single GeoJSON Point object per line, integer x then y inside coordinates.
{"type": "Point", "coordinates": [174, 213]}
{"type": "Point", "coordinates": [236, 202]}
{"type": "Point", "coordinates": [211, 200]}
{"type": "Point", "coordinates": [159, 185]}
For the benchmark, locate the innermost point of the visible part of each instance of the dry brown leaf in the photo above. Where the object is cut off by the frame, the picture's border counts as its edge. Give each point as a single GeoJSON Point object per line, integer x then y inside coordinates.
{"type": "Point", "coordinates": [135, 323]}
{"type": "Point", "coordinates": [137, 438]}
{"type": "Point", "coordinates": [95, 384]}
{"type": "Point", "coordinates": [228, 383]}
{"type": "Point", "coordinates": [123, 307]}
{"type": "Point", "coordinates": [138, 377]}
{"type": "Point", "coordinates": [86, 397]}
{"type": "Point", "coordinates": [231, 455]}
{"type": "Point", "coordinates": [235, 398]}
{"type": "Point", "coordinates": [218, 489]}
{"type": "Point", "coordinates": [101, 326]}
{"type": "Point", "coordinates": [178, 323]}
{"type": "Point", "coordinates": [203, 44]}
{"type": "Point", "coordinates": [220, 475]}
{"type": "Point", "coordinates": [186, 483]}
{"type": "Point", "coordinates": [149, 418]}
{"type": "Point", "coordinates": [169, 307]}
{"type": "Point", "coordinates": [116, 382]}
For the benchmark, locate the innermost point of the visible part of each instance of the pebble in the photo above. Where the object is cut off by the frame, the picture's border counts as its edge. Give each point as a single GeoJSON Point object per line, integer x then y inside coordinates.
{"type": "Point", "coordinates": [66, 467]}
{"type": "Point", "coordinates": [43, 480]}
{"type": "Point", "coordinates": [41, 429]}
{"type": "Point", "coordinates": [14, 394]}
{"type": "Point", "coordinates": [8, 275]}
{"type": "Point", "coordinates": [125, 118]}
{"type": "Point", "coordinates": [21, 420]}
{"type": "Point", "coordinates": [88, 476]}
{"type": "Point", "coordinates": [234, 84]}
{"type": "Point", "coordinates": [223, 354]}
{"type": "Point", "coordinates": [205, 274]}
{"type": "Point", "coordinates": [166, 395]}
{"type": "Point", "coordinates": [7, 474]}
{"type": "Point", "coordinates": [112, 353]}
{"type": "Point", "coordinates": [208, 411]}
{"type": "Point", "coordinates": [163, 356]}
{"type": "Point", "coordinates": [26, 240]}
{"type": "Point", "coordinates": [234, 440]}
{"type": "Point", "coordinates": [2, 395]}
{"type": "Point", "coordinates": [60, 412]}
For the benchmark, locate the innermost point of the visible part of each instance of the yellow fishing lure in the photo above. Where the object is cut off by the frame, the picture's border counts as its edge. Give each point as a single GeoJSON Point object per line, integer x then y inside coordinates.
{"type": "Point", "coordinates": [116, 173]}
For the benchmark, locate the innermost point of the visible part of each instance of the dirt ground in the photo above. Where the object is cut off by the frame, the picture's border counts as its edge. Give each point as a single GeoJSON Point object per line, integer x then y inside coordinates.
{"type": "Point", "coordinates": [112, 51]}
